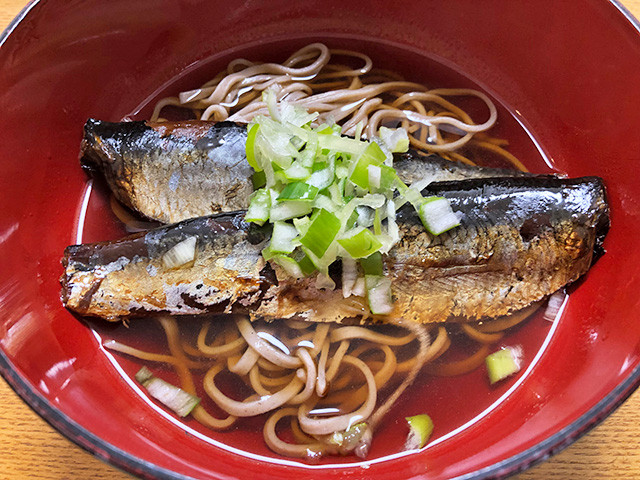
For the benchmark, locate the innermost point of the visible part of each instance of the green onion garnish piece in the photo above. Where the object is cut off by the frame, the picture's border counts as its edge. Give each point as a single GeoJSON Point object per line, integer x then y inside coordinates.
{"type": "Point", "coordinates": [169, 395]}
{"type": "Point", "coordinates": [258, 180]}
{"type": "Point", "coordinates": [373, 156]}
{"type": "Point", "coordinates": [250, 147]}
{"type": "Point", "coordinates": [298, 191]}
{"type": "Point", "coordinates": [420, 429]}
{"type": "Point", "coordinates": [289, 209]}
{"type": "Point", "coordinates": [437, 216]}
{"type": "Point", "coordinates": [503, 363]}
{"type": "Point", "coordinates": [143, 375]}
{"type": "Point", "coordinates": [321, 232]}
{"type": "Point", "coordinates": [282, 238]}
{"type": "Point", "coordinates": [259, 207]}
{"type": "Point", "coordinates": [372, 265]}
{"type": "Point", "coordinates": [360, 242]}
{"type": "Point", "coordinates": [379, 294]}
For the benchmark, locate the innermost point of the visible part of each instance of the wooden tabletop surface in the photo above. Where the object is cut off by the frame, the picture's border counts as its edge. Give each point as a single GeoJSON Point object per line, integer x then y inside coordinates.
{"type": "Point", "coordinates": [30, 448]}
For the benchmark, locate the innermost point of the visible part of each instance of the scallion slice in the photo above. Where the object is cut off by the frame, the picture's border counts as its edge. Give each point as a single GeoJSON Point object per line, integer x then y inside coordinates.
{"type": "Point", "coordinates": [503, 363]}
{"type": "Point", "coordinates": [181, 254]}
{"type": "Point", "coordinates": [322, 230]}
{"type": "Point", "coordinates": [360, 242]}
{"type": "Point", "coordinates": [298, 191]}
{"type": "Point", "coordinates": [420, 429]}
{"type": "Point", "coordinates": [173, 397]}
{"type": "Point", "coordinates": [437, 216]}
{"type": "Point", "coordinates": [282, 237]}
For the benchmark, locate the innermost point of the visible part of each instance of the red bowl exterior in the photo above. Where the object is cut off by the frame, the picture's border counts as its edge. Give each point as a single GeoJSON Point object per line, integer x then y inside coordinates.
{"type": "Point", "coordinates": [571, 79]}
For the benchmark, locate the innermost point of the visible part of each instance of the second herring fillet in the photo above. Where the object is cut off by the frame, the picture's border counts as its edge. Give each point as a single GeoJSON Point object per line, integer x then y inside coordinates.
{"type": "Point", "coordinates": [520, 240]}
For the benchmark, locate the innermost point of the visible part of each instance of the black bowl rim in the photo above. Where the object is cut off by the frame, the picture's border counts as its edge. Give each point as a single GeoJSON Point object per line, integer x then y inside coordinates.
{"type": "Point", "coordinates": [143, 469]}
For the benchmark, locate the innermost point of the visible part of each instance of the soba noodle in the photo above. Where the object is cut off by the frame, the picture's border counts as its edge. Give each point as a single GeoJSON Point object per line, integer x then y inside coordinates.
{"type": "Point", "coordinates": [334, 383]}
{"type": "Point", "coordinates": [359, 99]}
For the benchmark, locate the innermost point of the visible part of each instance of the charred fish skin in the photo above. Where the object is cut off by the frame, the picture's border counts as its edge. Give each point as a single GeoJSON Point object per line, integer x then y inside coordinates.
{"type": "Point", "coordinates": [172, 171]}
{"type": "Point", "coordinates": [520, 239]}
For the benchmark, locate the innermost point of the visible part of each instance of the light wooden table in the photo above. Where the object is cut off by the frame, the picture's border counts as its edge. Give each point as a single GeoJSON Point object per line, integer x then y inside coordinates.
{"type": "Point", "coordinates": [30, 448]}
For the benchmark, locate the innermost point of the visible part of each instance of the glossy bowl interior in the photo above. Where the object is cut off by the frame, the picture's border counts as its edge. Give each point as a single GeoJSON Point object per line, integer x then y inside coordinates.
{"type": "Point", "coordinates": [568, 100]}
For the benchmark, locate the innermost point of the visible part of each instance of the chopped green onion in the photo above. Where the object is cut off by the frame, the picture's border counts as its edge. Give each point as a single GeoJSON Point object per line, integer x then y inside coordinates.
{"type": "Point", "coordinates": [282, 238]}
{"type": "Point", "coordinates": [395, 140]}
{"type": "Point", "coordinates": [259, 207]}
{"type": "Point", "coordinates": [371, 156]}
{"type": "Point", "coordinates": [181, 254]}
{"type": "Point", "coordinates": [360, 242]}
{"type": "Point", "coordinates": [289, 265]}
{"type": "Point", "coordinates": [321, 232]}
{"type": "Point", "coordinates": [503, 363]}
{"type": "Point", "coordinates": [258, 180]}
{"type": "Point", "coordinates": [143, 375]}
{"type": "Point", "coordinates": [420, 429]}
{"type": "Point", "coordinates": [437, 216]}
{"type": "Point", "coordinates": [379, 294]}
{"type": "Point", "coordinates": [298, 191]}
{"type": "Point", "coordinates": [348, 440]}
{"type": "Point", "coordinates": [306, 266]}
{"type": "Point", "coordinates": [289, 209]}
{"type": "Point", "coordinates": [250, 147]}
{"type": "Point", "coordinates": [297, 172]}
{"type": "Point", "coordinates": [173, 397]}
{"type": "Point", "coordinates": [372, 265]}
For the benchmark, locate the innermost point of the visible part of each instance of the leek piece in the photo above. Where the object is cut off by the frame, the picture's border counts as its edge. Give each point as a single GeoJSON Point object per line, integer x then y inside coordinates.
{"type": "Point", "coordinates": [259, 207]}
{"type": "Point", "coordinates": [250, 147]}
{"type": "Point", "coordinates": [379, 294]}
{"type": "Point", "coordinates": [143, 375]}
{"type": "Point", "coordinates": [372, 265]}
{"type": "Point", "coordinates": [302, 224]}
{"type": "Point", "coordinates": [289, 209]}
{"type": "Point", "coordinates": [375, 172]}
{"type": "Point", "coordinates": [503, 363]}
{"type": "Point", "coordinates": [298, 191]}
{"type": "Point", "coordinates": [296, 172]}
{"type": "Point", "coordinates": [282, 238]}
{"type": "Point", "coordinates": [175, 398]}
{"type": "Point", "coordinates": [360, 242]}
{"type": "Point", "coordinates": [420, 429]}
{"type": "Point", "coordinates": [321, 179]}
{"type": "Point", "coordinates": [395, 140]}
{"type": "Point", "coordinates": [181, 254]}
{"type": "Point", "coordinates": [306, 266]}
{"type": "Point", "coordinates": [437, 216]}
{"type": "Point", "coordinates": [258, 179]}
{"type": "Point", "coordinates": [321, 232]}
{"type": "Point", "coordinates": [289, 265]}
{"type": "Point", "coordinates": [377, 223]}
{"type": "Point", "coordinates": [372, 155]}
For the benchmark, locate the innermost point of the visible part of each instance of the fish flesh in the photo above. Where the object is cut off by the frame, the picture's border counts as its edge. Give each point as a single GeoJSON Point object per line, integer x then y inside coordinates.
{"type": "Point", "coordinates": [172, 171]}
{"type": "Point", "coordinates": [520, 239]}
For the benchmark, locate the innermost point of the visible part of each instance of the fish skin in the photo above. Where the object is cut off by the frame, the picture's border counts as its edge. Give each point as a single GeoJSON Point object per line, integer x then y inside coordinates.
{"type": "Point", "coordinates": [520, 239]}
{"type": "Point", "coordinates": [172, 171]}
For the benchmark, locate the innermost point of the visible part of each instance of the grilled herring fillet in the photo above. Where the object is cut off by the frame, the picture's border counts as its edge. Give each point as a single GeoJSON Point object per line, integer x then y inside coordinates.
{"type": "Point", "coordinates": [172, 171]}
{"type": "Point", "coordinates": [520, 240]}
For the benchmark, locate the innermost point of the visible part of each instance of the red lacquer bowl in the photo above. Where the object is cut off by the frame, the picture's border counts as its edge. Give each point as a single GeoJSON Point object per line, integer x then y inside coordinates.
{"type": "Point", "coordinates": [565, 76]}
